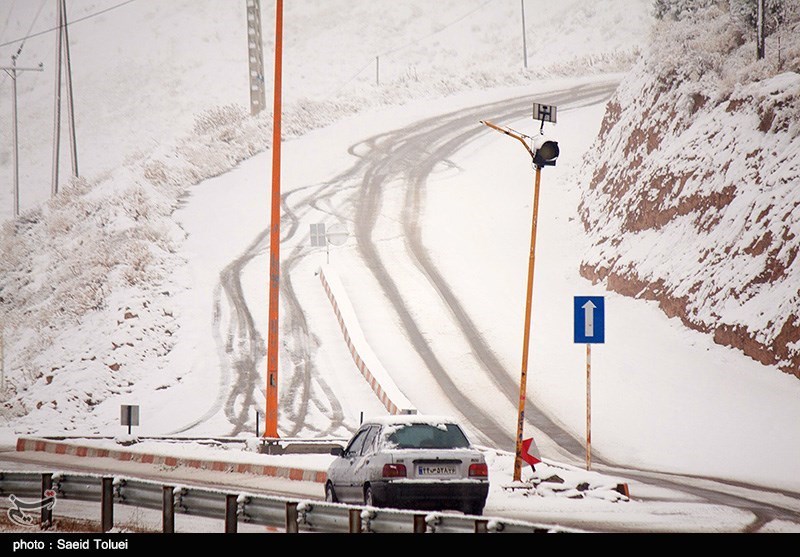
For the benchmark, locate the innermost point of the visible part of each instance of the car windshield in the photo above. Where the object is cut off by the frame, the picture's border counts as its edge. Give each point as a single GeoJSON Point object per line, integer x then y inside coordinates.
{"type": "Point", "coordinates": [426, 436]}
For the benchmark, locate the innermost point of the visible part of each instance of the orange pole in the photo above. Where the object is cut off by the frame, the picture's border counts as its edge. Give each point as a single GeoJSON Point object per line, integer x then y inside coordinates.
{"type": "Point", "coordinates": [271, 418]}
{"type": "Point", "coordinates": [526, 333]}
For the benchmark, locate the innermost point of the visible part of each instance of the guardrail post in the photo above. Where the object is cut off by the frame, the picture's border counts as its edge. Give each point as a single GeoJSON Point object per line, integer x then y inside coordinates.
{"type": "Point", "coordinates": [481, 526]}
{"type": "Point", "coordinates": [107, 504]}
{"type": "Point", "coordinates": [355, 521]}
{"type": "Point", "coordinates": [291, 518]}
{"type": "Point", "coordinates": [231, 507]}
{"type": "Point", "coordinates": [420, 525]}
{"type": "Point", "coordinates": [47, 510]}
{"type": "Point", "coordinates": [167, 509]}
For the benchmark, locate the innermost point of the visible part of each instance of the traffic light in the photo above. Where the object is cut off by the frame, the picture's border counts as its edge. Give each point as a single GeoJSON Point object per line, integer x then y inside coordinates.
{"type": "Point", "coordinates": [545, 151]}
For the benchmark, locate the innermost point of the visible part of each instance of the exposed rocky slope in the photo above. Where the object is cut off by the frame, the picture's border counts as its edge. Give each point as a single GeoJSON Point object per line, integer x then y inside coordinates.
{"type": "Point", "coordinates": [693, 185]}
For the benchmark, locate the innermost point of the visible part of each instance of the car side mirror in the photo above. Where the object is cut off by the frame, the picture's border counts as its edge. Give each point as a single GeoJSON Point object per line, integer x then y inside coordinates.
{"type": "Point", "coordinates": [337, 451]}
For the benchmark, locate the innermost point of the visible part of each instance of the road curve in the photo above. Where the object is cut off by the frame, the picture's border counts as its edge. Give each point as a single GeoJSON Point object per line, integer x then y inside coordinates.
{"type": "Point", "coordinates": [405, 158]}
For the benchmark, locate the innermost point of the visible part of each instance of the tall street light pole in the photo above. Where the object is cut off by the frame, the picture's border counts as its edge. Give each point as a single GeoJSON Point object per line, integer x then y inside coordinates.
{"type": "Point", "coordinates": [271, 417]}
{"type": "Point", "coordinates": [543, 153]}
{"type": "Point", "coordinates": [12, 72]}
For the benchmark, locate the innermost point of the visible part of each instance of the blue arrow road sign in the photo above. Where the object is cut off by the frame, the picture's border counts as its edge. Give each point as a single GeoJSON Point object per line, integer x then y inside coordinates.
{"type": "Point", "coordinates": [590, 325]}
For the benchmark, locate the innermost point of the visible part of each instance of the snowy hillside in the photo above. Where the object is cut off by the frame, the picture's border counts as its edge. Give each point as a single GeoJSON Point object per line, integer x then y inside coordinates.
{"type": "Point", "coordinates": [692, 196]}
{"type": "Point", "coordinates": [143, 70]}
{"type": "Point", "coordinates": [88, 280]}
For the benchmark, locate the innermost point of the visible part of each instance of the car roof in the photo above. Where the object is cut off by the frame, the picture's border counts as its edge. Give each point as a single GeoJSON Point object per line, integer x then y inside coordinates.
{"type": "Point", "coordinates": [403, 419]}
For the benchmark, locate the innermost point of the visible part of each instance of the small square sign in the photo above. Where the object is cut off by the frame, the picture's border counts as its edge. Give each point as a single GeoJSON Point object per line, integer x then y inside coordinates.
{"type": "Point", "coordinates": [129, 414]}
{"type": "Point", "coordinates": [590, 316]}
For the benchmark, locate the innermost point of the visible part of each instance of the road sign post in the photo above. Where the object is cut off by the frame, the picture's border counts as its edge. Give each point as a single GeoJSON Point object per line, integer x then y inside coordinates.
{"type": "Point", "coordinates": [336, 235]}
{"type": "Point", "coordinates": [588, 406]}
{"type": "Point", "coordinates": [530, 453]}
{"type": "Point", "coordinates": [129, 415]}
{"type": "Point", "coordinates": [589, 328]}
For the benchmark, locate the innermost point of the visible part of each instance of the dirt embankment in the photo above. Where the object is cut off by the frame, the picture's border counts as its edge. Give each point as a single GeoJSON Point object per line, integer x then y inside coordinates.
{"type": "Point", "coordinates": [693, 191]}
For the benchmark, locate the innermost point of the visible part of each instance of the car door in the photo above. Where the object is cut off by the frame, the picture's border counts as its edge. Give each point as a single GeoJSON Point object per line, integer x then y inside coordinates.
{"type": "Point", "coordinates": [363, 466]}
{"type": "Point", "coordinates": [344, 477]}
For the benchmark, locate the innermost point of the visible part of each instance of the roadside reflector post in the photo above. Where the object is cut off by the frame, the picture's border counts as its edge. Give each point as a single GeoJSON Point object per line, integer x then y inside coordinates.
{"type": "Point", "coordinates": [354, 516]}
{"type": "Point", "coordinates": [231, 518]}
{"type": "Point", "coordinates": [107, 504]}
{"type": "Point", "coordinates": [47, 510]}
{"type": "Point", "coordinates": [291, 518]}
{"type": "Point", "coordinates": [530, 453]}
{"type": "Point", "coordinates": [167, 509]}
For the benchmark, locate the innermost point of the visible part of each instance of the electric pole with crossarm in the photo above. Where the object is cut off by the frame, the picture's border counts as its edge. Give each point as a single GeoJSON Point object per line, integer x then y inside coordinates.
{"type": "Point", "coordinates": [12, 71]}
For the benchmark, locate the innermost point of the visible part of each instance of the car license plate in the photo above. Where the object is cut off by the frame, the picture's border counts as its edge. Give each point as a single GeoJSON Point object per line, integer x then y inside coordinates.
{"type": "Point", "coordinates": [439, 470]}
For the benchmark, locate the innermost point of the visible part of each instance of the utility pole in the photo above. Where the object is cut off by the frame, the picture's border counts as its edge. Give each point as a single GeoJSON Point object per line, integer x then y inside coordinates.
{"type": "Point", "coordinates": [70, 104]}
{"type": "Point", "coordinates": [12, 72]}
{"type": "Point", "coordinates": [760, 46]}
{"type": "Point", "coordinates": [255, 57]}
{"type": "Point", "coordinates": [63, 57]}
{"type": "Point", "coordinates": [2, 363]}
{"type": "Point", "coordinates": [524, 39]}
{"type": "Point", "coordinates": [778, 33]}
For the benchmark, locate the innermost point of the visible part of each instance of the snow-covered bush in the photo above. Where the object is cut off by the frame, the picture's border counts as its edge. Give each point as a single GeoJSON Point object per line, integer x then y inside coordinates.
{"type": "Point", "coordinates": [776, 12]}
{"type": "Point", "coordinates": [218, 118]}
{"type": "Point", "coordinates": [680, 9]}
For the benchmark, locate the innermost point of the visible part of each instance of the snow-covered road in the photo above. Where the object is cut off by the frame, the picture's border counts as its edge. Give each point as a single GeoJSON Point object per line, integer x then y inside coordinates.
{"type": "Point", "coordinates": [443, 189]}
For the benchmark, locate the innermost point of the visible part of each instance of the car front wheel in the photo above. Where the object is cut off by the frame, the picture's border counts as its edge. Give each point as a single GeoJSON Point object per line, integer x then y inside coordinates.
{"type": "Point", "coordinates": [330, 494]}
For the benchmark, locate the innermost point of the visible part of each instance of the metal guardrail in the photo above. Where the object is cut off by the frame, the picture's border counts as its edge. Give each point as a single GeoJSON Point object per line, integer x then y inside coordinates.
{"type": "Point", "coordinates": [20, 484]}
{"type": "Point", "coordinates": [287, 515]}
{"type": "Point", "coordinates": [77, 487]}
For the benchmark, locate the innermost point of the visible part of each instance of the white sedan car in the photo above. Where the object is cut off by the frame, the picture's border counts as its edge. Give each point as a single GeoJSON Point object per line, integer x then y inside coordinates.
{"type": "Point", "coordinates": [410, 462]}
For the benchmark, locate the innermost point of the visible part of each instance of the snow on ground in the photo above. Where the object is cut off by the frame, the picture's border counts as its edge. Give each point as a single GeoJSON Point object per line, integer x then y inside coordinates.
{"type": "Point", "coordinates": [662, 397]}
{"type": "Point", "coordinates": [669, 396]}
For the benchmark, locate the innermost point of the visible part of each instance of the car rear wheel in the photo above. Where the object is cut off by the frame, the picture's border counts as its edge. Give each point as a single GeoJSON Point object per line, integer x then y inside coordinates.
{"type": "Point", "coordinates": [473, 508]}
{"type": "Point", "coordinates": [330, 494]}
{"type": "Point", "coordinates": [369, 498]}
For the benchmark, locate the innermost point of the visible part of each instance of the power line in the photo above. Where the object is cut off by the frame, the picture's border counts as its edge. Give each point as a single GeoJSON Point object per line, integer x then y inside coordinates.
{"type": "Point", "coordinates": [95, 14]}
{"type": "Point", "coordinates": [8, 17]}
{"type": "Point", "coordinates": [355, 75]}
{"type": "Point", "coordinates": [35, 19]}
{"type": "Point", "coordinates": [415, 42]}
{"type": "Point", "coordinates": [428, 36]}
